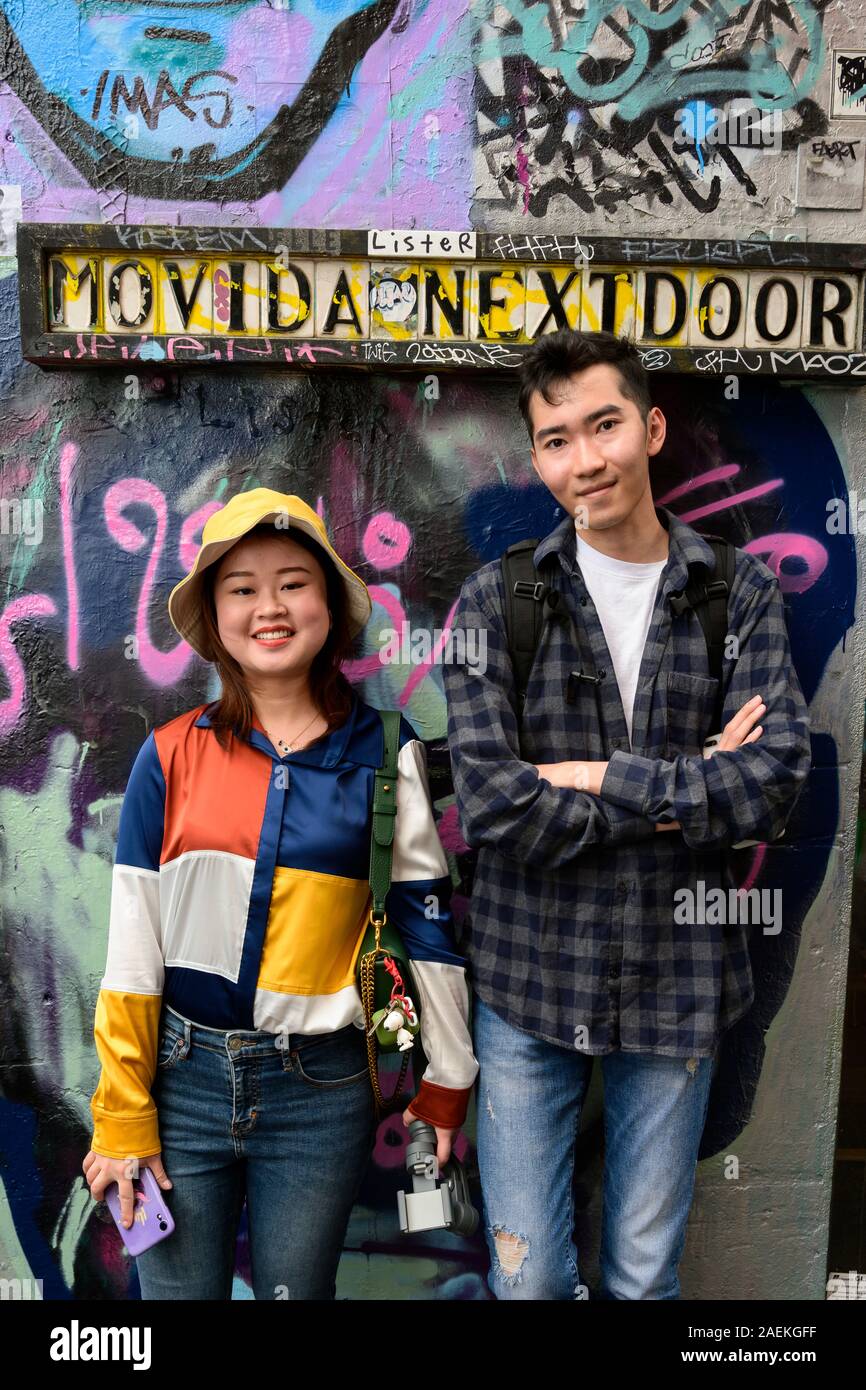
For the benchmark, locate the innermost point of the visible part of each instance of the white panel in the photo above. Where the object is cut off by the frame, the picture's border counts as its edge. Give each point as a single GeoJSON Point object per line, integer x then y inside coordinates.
{"type": "Point", "coordinates": [205, 898]}
{"type": "Point", "coordinates": [134, 960]}
{"type": "Point", "coordinates": [307, 1013]}
{"type": "Point", "coordinates": [418, 852]}
{"type": "Point", "coordinates": [444, 1005]}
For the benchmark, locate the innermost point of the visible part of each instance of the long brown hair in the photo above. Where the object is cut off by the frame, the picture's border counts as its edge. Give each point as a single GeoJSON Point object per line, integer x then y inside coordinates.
{"type": "Point", "coordinates": [329, 688]}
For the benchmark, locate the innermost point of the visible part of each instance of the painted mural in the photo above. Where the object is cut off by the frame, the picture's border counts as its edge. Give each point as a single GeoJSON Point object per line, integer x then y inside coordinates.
{"type": "Point", "coordinates": [316, 111]}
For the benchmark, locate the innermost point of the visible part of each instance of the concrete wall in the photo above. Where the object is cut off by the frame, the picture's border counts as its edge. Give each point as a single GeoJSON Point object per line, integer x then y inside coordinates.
{"type": "Point", "coordinates": [515, 116]}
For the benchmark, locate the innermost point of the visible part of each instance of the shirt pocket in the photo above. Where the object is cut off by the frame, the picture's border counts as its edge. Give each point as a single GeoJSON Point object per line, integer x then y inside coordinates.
{"type": "Point", "coordinates": [689, 704]}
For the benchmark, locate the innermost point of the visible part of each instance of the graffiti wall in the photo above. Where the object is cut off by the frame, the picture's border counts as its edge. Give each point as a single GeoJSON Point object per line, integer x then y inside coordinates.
{"type": "Point", "coordinates": [510, 116]}
{"type": "Point", "coordinates": [318, 112]}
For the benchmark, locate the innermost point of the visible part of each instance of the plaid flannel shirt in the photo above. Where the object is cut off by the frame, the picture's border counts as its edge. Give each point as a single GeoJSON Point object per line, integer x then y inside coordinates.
{"type": "Point", "coordinates": [571, 924]}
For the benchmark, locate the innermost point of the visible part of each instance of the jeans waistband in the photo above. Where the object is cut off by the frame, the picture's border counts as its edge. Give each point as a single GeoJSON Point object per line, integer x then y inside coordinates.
{"type": "Point", "coordinates": [248, 1038]}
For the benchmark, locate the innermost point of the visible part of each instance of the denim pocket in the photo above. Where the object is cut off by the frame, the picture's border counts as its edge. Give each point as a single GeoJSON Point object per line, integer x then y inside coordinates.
{"type": "Point", "coordinates": [334, 1059]}
{"type": "Point", "coordinates": [170, 1046]}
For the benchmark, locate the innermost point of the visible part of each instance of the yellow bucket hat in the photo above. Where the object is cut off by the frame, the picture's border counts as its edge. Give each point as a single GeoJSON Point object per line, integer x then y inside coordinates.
{"type": "Point", "coordinates": [220, 532]}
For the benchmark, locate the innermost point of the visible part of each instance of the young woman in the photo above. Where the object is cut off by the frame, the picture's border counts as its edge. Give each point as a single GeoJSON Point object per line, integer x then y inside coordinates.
{"type": "Point", "coordinates": [228, 1023]}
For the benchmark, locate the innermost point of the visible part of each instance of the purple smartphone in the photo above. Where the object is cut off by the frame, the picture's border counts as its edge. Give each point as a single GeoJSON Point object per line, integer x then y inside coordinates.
{"type": "Point", "coordinates": [151, 1219]}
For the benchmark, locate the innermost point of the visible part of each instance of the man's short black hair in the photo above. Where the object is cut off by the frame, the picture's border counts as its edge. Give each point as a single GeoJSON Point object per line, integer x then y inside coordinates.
{"type": "Point", "coordinates": [554, 357]}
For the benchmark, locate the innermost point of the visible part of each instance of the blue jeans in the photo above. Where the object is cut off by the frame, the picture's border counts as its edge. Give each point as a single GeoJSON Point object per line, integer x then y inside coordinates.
{"type": "Point", "coordinates": [529, 1102]}
{"type": "Point", "coordinates": [291, 1128]}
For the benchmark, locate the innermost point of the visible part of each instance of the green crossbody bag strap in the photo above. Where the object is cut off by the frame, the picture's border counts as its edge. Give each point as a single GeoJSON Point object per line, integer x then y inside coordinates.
{"type": "Point", "coordinates": [384, 814]}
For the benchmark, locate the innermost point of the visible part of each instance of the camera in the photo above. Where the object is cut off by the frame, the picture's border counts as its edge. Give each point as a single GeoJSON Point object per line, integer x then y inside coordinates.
{"type": "Point", "coordinates": [438, 1199]}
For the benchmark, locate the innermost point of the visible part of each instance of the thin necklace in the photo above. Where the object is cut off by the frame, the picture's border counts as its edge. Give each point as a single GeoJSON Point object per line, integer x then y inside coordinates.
{"type": "Point", "coordinates": [290, 747]}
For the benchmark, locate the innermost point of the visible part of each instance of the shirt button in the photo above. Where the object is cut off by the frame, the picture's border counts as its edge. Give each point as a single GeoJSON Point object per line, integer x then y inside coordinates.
{"type": "Point", "coordinates": [614, 972]}
{"type": "Point", "coordinates": [584, 602]}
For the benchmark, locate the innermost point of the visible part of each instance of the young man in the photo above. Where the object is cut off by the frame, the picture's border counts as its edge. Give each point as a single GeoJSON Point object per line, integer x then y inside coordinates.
{"type": "Point", "coordinates": [598, 825]}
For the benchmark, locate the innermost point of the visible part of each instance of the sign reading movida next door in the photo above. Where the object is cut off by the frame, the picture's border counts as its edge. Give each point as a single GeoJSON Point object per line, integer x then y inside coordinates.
{"type": "Point", "coordinates": [460, 299]}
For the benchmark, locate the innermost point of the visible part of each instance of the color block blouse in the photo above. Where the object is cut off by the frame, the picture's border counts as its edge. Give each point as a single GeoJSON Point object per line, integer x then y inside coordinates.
{"type": "Point", "coordinates": [240, 897]}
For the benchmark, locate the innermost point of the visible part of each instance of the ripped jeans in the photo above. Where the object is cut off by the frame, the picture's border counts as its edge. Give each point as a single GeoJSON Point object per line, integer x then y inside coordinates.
{"type": "Point", "coordinates": [530, 1095]}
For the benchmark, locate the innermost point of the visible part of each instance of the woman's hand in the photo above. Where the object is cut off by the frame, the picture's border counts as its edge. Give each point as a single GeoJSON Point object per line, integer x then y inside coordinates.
{"type": "Point", "coordinates": [444, 1137]}
{"type": "Point", "coordinates": [101, 1171]}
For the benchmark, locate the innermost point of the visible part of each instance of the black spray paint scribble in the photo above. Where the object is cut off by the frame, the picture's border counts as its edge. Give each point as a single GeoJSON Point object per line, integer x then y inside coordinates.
{"type": "Point", "coordinates": [540, 139]}
{"type": "Point", "coordinates": [851, 76]}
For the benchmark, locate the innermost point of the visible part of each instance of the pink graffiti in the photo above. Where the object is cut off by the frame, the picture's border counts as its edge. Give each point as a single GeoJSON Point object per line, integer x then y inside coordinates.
{"type": "Point", "coordinates": [181, 346]}
{"type": "Point", "coordinates": [68, 459]}
{"type": "Point", "coordinates": [779, 547]}
{"type": "Point", "coordinates": [371, 665]}
{"type": "Point", "coordinates": [387, 541]}
{"type": "Point", "coordinates": [448, 827]}
{"type": "Point", "coordinates": [20, 610]}
{"type": "Point", "coordinates": [190, 537]}
{"type": "Point", "coordinates": [424, 667]}
{"type": "Point", "coordinates": [392, 1139]}
{"type": "Point", "coordinates": [16, 430]}
{"type": "Point", "coordinates": [163, 668]}
{"type": "Point", "coordinates": [732, 501]}
{"type": "Point", "coordinates": [17, 474]}
{"type": "Point", "coordinates": [713, 475]}
{"type": "Point", "coordinates": [221, 285]}
{"type": "Point", "coordinates": [754, 869]}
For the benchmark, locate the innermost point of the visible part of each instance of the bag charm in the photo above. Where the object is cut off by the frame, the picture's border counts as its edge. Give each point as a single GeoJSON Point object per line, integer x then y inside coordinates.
{"type": "Point", "coordinates": [396, 1024]}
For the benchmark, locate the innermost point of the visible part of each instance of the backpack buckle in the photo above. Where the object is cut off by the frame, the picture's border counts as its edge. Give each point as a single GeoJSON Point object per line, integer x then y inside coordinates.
{"type": "Point", "coordinates": [718, 587]}
{"type": "Point", "coordinates": [524, 589]}
{"type": "Point", "coordinates": [680, 603]}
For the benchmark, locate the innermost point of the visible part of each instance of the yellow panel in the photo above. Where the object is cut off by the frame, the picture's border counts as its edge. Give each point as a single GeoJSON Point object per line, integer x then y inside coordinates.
{"type": "Point", "coordinates": [665, 306]}
{"type": "Point", "coordinates": [717, 309]}
{"type": "Point", "coordinates": [314, 924]}
{"type": "Point", "coordinates": [126, 1033]}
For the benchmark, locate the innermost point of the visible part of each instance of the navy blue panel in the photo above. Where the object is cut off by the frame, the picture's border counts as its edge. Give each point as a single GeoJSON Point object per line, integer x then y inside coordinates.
{"type": "Point", "coordinates": [208, 999]}
{"type": "Point", "coordinates": [142, 815]}
{"type": "Point", "coordinates": [425, 938]}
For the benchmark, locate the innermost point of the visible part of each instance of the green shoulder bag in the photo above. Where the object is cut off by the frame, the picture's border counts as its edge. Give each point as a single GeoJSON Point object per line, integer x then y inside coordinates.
{"type": "Point", "coordinates": [385, 980]}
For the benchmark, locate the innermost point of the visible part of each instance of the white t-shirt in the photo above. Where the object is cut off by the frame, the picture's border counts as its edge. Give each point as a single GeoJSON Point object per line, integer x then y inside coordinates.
{"type": "Point", "coordinates": [624, 596]}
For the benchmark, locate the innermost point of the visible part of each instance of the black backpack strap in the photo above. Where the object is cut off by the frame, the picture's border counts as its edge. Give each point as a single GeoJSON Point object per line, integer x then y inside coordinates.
{"type": "Point", "coordinates": [524, 597]}
{"type": "Point", "coordinates": [709, 599]}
